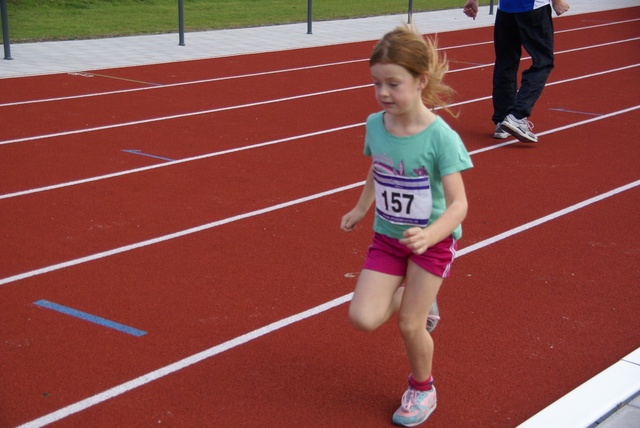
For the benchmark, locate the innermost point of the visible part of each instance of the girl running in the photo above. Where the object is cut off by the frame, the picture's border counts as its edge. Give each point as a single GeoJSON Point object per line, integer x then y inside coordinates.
{"type": "Point", "coordinates": [416, 183]}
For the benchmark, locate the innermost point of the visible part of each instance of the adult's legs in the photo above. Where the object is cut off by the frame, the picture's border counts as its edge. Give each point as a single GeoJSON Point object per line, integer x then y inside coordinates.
{"type": "Point", "coordinates": [508, 50]}
{"type": "Point", "coordinates": [536, 34]}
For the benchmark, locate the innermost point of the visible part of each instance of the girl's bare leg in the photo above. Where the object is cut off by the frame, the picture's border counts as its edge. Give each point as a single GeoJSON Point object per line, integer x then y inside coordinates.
{"type": "Point", "coordinates": [376, 298]}
{"type": "Point", "coordinates": [420, 292]}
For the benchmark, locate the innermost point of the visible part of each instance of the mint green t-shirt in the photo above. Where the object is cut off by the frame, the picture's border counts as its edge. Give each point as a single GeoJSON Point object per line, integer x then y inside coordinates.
{"type": "Point", "coordinates": [408, 174]}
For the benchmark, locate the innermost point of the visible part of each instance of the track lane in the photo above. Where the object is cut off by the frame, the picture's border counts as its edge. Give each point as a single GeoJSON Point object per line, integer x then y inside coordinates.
{"type": "Point", "coordinates": [161, 201]}
{"type": "Point", "coordinates": [159, 275]}
{"type": "Point", "coordinates": [195, 136]}
{"type": "Point", "coordinates": [68, 227]}
{"type": "Point", "coordinates": [118, 108]}
{"type": "Point", "coordinates": [527, 288]}
{"type": "Point", "coordinates": [189, 97]}
{"type": "Point", "coordinates": [70, 223]}
{"type": "Point", "coordinates": [62, 85]}
{"type": "Point", "coordinates": [167, 141]}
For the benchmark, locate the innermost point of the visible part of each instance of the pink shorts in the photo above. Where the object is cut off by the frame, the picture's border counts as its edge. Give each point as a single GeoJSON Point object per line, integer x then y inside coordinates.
{"type": "Point", "coordinates": [388, 255]}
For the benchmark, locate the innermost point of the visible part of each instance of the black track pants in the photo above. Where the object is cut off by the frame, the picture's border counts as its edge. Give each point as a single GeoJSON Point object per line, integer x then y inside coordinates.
{"type": "Point", "coordinates": [534, 31]}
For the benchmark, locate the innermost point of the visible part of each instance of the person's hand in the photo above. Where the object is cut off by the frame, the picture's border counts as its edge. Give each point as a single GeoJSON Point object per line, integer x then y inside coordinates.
{"type": "Point", "coordinates": [471, 8]}
{"type": "Point", "coordinates": [416, 239]}
{"type": "Point", "coordinates": [560, 6]}
{"type": "Point", "coordinates": [350, 219]}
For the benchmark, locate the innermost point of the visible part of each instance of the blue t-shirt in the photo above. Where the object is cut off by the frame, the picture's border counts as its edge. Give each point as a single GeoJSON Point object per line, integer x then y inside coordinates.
{"type": "Point", "coordinates": [408, 174]}
{"type": "Point", "coordinates": [518, 6]}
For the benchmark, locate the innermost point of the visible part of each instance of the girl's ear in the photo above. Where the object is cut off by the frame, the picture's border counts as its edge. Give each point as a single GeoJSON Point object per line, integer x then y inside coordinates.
{"type": "Point", "coordinates": [423, 81]}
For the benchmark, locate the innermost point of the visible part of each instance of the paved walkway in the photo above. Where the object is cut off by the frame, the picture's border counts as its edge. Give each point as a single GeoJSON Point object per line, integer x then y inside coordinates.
{"type": "Point", "coordinates": [597, 400]}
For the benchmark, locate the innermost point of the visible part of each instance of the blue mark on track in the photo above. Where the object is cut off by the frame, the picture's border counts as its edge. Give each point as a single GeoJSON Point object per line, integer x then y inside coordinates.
{"type": "Point", "coordinates": [92, 318]}
{"type": "Point", "coordinates": [137, 152]}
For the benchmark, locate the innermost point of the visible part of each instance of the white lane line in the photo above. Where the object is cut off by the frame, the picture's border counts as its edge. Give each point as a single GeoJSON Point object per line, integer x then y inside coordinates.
{"type": "Point", "coordinates": [176, 162]}
{"type": "Point", "coordinates": [179, 365]}
{"type": "Point", "coordinates": [273, 101]}
{"type": "Point", "coordinates": [267, 73]}
{"type": "Point", "coordinates": [312, 134]}
{"type": "Point", "coordinates": [164, 238]}
{"type": "Point", "coordinates": [183, 115]}
{"type": "Point", "coordinates": [175, 235]}
{"type": "Point", "coordinates": [193, 82]}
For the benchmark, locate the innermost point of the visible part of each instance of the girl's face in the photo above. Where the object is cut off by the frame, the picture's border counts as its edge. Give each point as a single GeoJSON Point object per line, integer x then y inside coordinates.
{"type": "Point", "coordinates": [397, 91]}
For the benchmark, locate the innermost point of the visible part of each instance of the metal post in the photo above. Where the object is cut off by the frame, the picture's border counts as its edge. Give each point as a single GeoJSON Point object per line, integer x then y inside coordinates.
{"type": "Point", "coordinates": [5, 30]}
{"type": "Point", "coordinates": [410, 11]}
{"type": "Point", "coordinates": [491, 7]}
{"type": "Point", "coordinates": [181, 21]}
{"type": "Point", "coordinates": [309, 16]}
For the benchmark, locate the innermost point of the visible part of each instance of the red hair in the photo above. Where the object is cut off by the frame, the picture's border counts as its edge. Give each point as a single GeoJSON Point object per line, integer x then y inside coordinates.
{"type": "Point", "coordinates": [407, 48]}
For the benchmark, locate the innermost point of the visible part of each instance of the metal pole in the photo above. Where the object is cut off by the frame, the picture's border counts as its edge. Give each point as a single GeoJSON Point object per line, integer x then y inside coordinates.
{"type": "Point", "coordinates": [410, 11]}
{"type": "Point", "coordinates": [181, 21]}
{"type": "Point", "coordinates": [5, 30]}
{"type": "Point", "coordinates": [491, 7]}
{"type": "Point", "coordinates": [309, 16]}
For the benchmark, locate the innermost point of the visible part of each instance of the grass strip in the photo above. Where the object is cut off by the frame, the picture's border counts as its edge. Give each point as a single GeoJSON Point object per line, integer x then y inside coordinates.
{"type": "Point", "coordinates": [39, 20]}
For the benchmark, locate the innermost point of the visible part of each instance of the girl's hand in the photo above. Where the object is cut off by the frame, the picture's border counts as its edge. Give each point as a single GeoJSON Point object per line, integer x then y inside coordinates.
{"type": "Point", "coordinates": [367, 197]}
{"type": "Point", "coordinates": [350, 219]}
{"type": "Point", "coordinates": [417, 239]}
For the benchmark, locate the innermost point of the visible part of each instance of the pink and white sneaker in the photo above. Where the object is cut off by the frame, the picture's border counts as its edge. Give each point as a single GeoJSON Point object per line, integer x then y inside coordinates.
{"type": "Point", "coordinates": [416, 407]}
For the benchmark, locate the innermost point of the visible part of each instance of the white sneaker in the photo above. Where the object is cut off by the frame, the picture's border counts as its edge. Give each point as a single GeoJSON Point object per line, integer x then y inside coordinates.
{"type": "Point", "coordinates": [519, 128]}
{"type": "Point", "coordinates": [500, 133]}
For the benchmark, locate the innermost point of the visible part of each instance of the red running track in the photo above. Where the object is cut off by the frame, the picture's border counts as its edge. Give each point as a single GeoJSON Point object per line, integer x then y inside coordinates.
{"type": "Point", "coordinates": [240, 232]}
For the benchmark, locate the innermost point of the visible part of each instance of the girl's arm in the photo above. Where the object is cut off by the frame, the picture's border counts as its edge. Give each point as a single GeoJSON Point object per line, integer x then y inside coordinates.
{"type": "Point", "coordinates": [367, 197]}
{"type": "Point", "coordinates": [418, 239]}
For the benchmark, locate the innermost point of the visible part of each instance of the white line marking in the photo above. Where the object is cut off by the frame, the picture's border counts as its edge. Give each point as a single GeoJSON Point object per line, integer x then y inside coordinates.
{"type": "Point", "coordinates": [182, 115]}
{"type": "Point", "coordinates": [312, 134]}
{"type": "Point", "coordinates": [194, 82]}
{"type": "Point", "coordinates": [179, 161]}
{"type": "Point", "coordinates": [546, 219]}
{"type": "Point", "coordinates": [602, 45]}
{"type": "Point", "coordinates": [168, 237]}
{"type": "Point", "coordinates": [266, 73]}
{"type": "Point", "coordinates": [278, 100]}
{"type": "Point", "coordinates": [179, 365]}
{"type": "Point", "coordinates": [241, 340]}
{"type": "Point", "coordinates": [606, 24]}
{"type": "Point", "coordinates": [562, 128]}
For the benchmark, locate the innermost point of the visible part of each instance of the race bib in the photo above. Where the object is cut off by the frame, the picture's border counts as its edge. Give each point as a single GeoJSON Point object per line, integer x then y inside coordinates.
{"type": "Point", "coordinates": [403, 200]}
